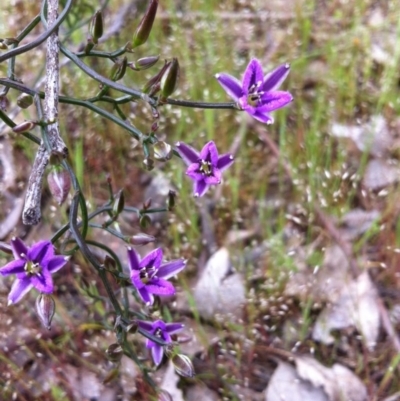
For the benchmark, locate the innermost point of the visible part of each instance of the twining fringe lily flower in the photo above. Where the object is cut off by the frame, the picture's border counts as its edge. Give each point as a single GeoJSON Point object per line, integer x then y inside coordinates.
{"type": "Point", "coordinates": [33, 267]}
{"type": "Point", "coordinates": [161, 330]}
{"type": "Point", "coordinates": [149, 275]}
{"type": "Point", "coordinates": [205, 168]}
{"type": "Point", "coordinates": [257, 94]}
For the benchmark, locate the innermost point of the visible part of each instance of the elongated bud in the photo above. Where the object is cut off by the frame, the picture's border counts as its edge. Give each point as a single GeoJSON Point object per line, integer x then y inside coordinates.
{"type": "Point", "coordinates": [164, 395]}
{"type": "Point", "coordinates": [24, 100]}
{"type": "Point", "coordinates": [143, 63]}
{"type": "Point", "coordinates": [24, 127]}
{"type": "Point", "coordinates": [10, 41]}
{"type": "Point", "coordinates": [119, 203]}
{"type": "Point", "coordinates": [45, 308]}
{"type": "Point", "coordinates": [114, 352]}
{"type": "Point", "coordinates": [4, 102]}
{"type": "Point", "coordinates": [148, 163]}
{"type": "Point", "coordinates": [111, 376]}
{"type": "Point", "coordinates": [144, 221]}
{"type": "Point", "coordinates": [153, 84]}
{"type": "Point", "coordinates": [171, 199]}
{"type": "Point", "coordinates": [170, 78]}
{"type": "Point", "coordinates": [162, 151]}
{"type": "Point", "coordinates": [142, 239]}
{"type": "Point", "coordinates": [109, 263]}
{"type": "Point", "coordinates": [147, 204]}
{"type": "Point", "coordinates": [119, 69]}
{"type": "Point", "coordinates": [96, 26]}
{"type": "Point", "coordinates": [143, 30]}
{"type": "Point", "coordinates": [183, 365]}
{"type": "Point", "coordinates": [59, 184]}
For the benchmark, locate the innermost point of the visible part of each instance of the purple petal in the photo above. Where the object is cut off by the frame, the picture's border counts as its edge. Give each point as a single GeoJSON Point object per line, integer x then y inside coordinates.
{"type": "Point", "coordinates": [173, 328]}
{"type": "Point", "coordinates": [170, 269]}
{"type": "Point", "coordinates": [213, 179]}
{"type": "Point", "coordinates": [14, 267]}
{"type": "Point", "coordinates": [259, 115]}
{"type": "Point", "coordinates": [40, 252]}
{"type": "Point", "coordinates": [43, 282]}
{"type": "Point", "coordinates": [160, 287]}
{"type": "Point", "coordinates": [274, 100]}
{"type": "Point", "coordinates": [231, 85]}
{"type": "Point", "coordinates": [148, 326]}
{"type": "Point", "coordinates": [274, 79]}
{"type": "Point", "coordinates": [152, 259]}
{"type": "Point", "coordinates": [194, 173]}
{"type": "Point", "coordinates": [253, 75]}
{"type": "Point", "coordinates": [134, 260]}
{"type": "Point", "coordinates": [157, 353]}
{"type": "Point", "coordinates": [147, 298]}
{"type": "Point", "coordinates": [188, 154]}
{"type": "Point", "coordinates": [225, 161]}
{"type": "Point", "coordinates": [200, 188]}
{"type": "Point", "coordinates": [19, 288]}
{"type": "Point", "coordinates": [18, 248]}
{"type": "Point", "coordinates": [56, 263]}
{"type": "Point", "coordinates": [209, 153]}
{"type": "Point", "coordinates": [136, 281]}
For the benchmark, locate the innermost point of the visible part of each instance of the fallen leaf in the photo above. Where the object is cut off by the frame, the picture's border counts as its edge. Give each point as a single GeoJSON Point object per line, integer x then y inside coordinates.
{"type": "Point", "coordinates": [356, 306]}
{"type": "Point", "coordinates": [219, 290]}
{"type": "Point", "coordinates": [380, 174]}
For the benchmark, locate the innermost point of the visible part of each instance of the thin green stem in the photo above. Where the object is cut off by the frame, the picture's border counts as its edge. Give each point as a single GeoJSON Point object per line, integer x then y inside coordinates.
{"type": "Point", "coordinates": [201, 105]}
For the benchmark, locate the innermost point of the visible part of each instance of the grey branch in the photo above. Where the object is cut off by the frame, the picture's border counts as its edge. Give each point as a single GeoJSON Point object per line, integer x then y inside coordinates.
{"type": "Point", "coordinates": [31, 214]}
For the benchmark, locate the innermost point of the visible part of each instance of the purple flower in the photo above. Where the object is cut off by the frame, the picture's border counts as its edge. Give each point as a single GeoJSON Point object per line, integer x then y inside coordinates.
{"type": "Point", "coordinates": [149, 276]}
{"type": "Point", "coordinates": [205, 168]}
{"type": "Point", "coordinates": [33, 267]}
{"type": "Point", "coordinates": [257, 94]}
{"type": "Point", "coordinates": [161, 330]}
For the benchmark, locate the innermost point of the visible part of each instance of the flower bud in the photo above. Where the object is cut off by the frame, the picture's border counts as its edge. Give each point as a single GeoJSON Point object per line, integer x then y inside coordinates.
{"type": "Point", "coordinates": [59, 184]}
{"type": "Point", "coordinates": [24, 100]}
{"type": "Point", "coordinates": [144, 221]}
{"type": "Point", "coordinates": [109, 263]}
{"type": "Point", "coordinates": [96, 26]}
{"type": "Point", "coordinates": [10, 41]}
{"type": "Point", "coordinates": [170, 78]}
{"type": "Point", "coordinates": [111, 375]}
{"type": "Point", "coordinates": [114, 352]}
{"type": "Point", "coordinates": [4, 102]}
{"type": "Point", "coordinates": [45, 308]}
{"type": "Point", "coordinates": [119, 69]}
{"type": "Point", "coordinates": [171, 199]}
{"type": "Point", "coordinates": [183, 365]}
{"type": "Point", "coordinates": [142, 239]}
{"type": "Point", "coordinates": [119, 203]}
{"type": "Point", "coordinates": [143, 30]}
{"type": "Point", "coordinates": [148, 163]}
{"type": "Point", "coordinates": [3, 46]}
{"type": "Point", "coordinates": [162, 151]}
{"type": "Point", "coordinates": [147, 204]}
{"type": "Point", "coordinates": [24, 127]}
{"type": "Point", "coordinates": [153, 84]}
{"type": "Point", "coordinates": [164, 395]}
{"type": "Point", "coordinates": [144, 63]}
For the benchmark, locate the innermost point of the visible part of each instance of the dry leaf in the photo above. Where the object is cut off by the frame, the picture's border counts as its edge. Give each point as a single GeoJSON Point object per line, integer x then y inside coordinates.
{"type": "Point", "coordinates": [357, 306]}
{"type": "Point", "coordinates": [380, 174]}
{"type": "Point", "coordinates": [310, 380]}
{"type": "Point", "coordinates": [373, 136]}
{"type": "Point", "coordinates": [219, 289]}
